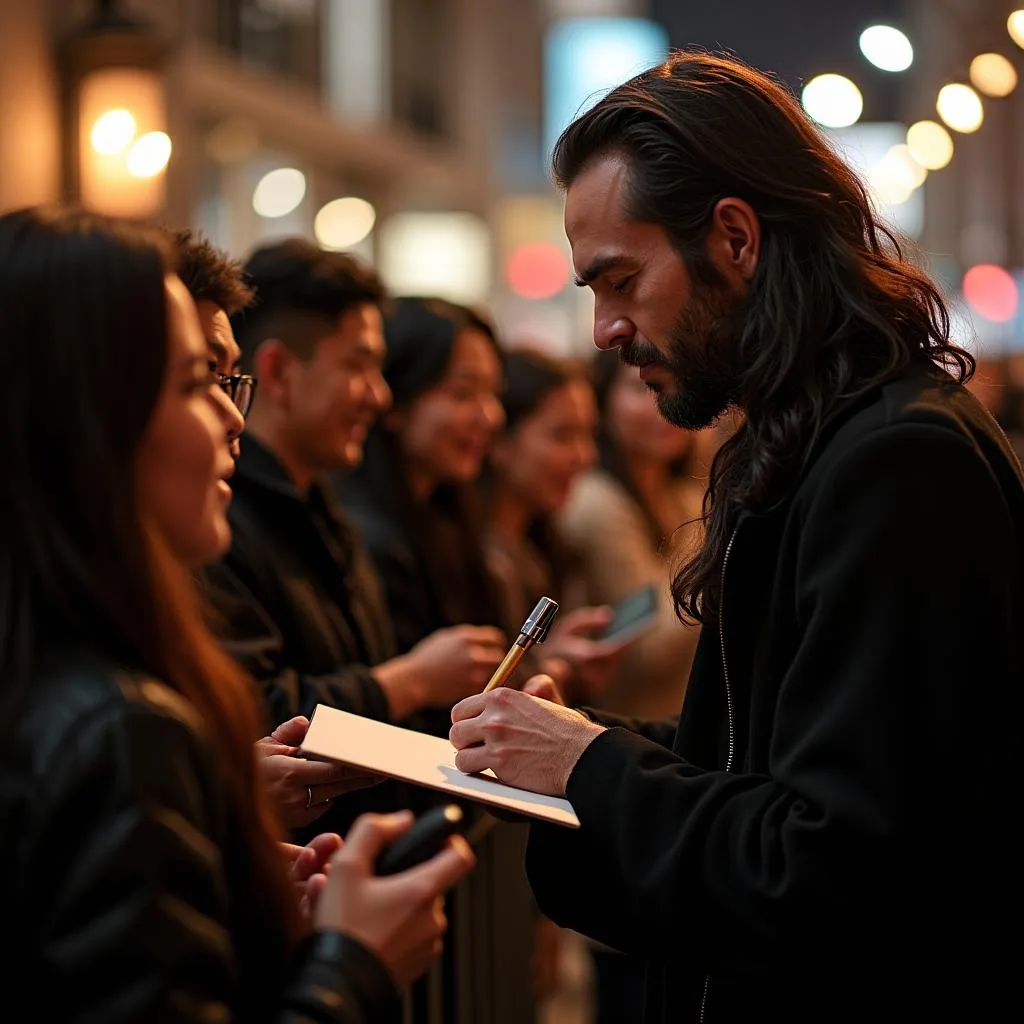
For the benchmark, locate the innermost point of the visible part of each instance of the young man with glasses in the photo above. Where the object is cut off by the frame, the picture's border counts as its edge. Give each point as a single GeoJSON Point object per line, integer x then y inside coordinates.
{"type": "Point", "coordinates": [301, 789]}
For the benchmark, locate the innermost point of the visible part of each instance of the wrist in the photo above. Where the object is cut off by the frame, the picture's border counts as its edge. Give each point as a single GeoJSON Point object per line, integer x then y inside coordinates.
{"type": "Point", "coordinates": [584, 733]}
{"type": "Point", "coordinates": [402, 685]}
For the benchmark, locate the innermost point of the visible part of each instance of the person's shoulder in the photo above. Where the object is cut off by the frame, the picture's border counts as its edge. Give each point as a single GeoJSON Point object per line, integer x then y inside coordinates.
{"type": "Point", "coordinates": [923, 403]}
{"type": "Point", "coordinates": [85, 694]}
{"type": "Point", "coordinates": [596, 498]}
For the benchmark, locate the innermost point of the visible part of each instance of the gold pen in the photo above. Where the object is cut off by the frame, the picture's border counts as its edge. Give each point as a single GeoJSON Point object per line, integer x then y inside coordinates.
{"type": "Point", "coordinates": [534, 631]}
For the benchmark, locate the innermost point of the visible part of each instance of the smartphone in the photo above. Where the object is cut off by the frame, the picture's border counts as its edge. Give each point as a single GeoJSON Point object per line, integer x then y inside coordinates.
{"type": "Point", "coordinates": [425, 839]}
{"type": "Point", "coordinates": [633, 615]}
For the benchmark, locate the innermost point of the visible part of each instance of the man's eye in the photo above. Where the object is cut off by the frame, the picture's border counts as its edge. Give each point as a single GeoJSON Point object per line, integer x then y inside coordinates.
{"type": "Point", "coordinates": [621, 287]}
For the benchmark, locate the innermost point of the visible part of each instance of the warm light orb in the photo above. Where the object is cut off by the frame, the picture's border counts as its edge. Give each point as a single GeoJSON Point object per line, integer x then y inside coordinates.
{"type": "Point", "coordinates": [833, 101]}
{"type": "Point", "coordinates": [930, 144]}
{"type": "Point", "coordinates": [887, 48]}
{"type": "Point", "coordinates": [993, 75]}
{"type": "Point", "coordinates": [344, 222]}
{"type": "Point", "coordinates": [279, 192]}
{"type": "Point", "coordinates": [112, 132]}
{"type": "Point", "coordinates": [991, 292]}
{"type": "Point", "coordinates": [1015, 26]}
{"type": "Point", "coordinates": [149, 156]}
{"type": "Point", "coordinates": [537, 270]}
{"type": "Point", "coordinates": [960, 107]}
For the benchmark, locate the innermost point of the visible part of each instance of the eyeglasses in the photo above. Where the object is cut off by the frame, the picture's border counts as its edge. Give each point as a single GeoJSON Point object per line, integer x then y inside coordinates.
{"type": "Point", "coordinates": [240, 388]}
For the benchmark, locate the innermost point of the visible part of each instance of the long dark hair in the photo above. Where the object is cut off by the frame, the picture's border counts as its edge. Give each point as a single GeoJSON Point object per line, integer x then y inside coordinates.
{"type": "Point", "coordinates": [83, 354]}
{"type": "Point", "coordinates": [447, 535]}
{"type": "Point", "coordinates": [835, 307]}
{"type": "Point", "coordinates": [530, 376]}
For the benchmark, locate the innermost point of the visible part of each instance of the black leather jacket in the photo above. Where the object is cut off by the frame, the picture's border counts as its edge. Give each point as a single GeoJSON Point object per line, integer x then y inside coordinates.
{"type": "Point", "coordinates": [120, 869]}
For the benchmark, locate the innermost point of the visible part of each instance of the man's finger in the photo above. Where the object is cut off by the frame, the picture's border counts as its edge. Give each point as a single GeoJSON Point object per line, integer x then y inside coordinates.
{"type": "Point", "coordinates": [466, 733]}
{"type": "Point", "coordinates": [472, 760]}
{"type": "Point", "coordinates": [292, 732]}
{"type": "Point", "coordinates": [470, 707]}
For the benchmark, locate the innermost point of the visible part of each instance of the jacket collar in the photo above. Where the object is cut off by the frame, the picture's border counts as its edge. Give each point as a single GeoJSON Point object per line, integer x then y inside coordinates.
{"type": "Point", "coordinates": [258, 465]}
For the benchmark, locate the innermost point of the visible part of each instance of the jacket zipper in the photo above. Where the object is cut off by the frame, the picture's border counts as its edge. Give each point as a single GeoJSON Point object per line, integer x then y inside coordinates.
{"type": "Point", "coordinates": [728, 708]}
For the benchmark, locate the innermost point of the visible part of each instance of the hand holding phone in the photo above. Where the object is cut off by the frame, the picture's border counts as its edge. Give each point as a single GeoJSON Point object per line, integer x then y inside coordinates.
{"type": "Point", "coordinates": [633, 616]}
{"type": "Point", "coordinates": [425, 839]}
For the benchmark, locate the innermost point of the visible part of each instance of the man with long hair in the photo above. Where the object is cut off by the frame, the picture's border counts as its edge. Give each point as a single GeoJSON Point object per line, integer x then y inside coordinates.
{"type": "Point", "coordinates": [826, 834]}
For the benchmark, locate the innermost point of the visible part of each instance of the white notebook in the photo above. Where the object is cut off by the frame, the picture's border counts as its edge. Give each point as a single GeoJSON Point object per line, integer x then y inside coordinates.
{"type": "Point", "coordinates": [424, 760]}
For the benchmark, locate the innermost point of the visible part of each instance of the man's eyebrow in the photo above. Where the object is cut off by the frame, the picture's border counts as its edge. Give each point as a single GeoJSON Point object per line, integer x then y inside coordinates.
{"type": "Point", "coordinates": [598, 267]}
{"type": "Point", "coordinates": [218, 348]}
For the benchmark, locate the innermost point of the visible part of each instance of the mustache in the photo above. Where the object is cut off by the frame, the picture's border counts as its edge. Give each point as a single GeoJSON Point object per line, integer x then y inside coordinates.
{"type": "Point", "coordinates": [639, 353]}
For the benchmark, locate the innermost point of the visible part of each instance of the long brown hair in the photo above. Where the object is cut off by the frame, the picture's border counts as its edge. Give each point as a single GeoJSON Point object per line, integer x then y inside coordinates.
{"type": "Point", "coordinates": [835, 308]}
{"type": "Point", "coordinates": [83, 354]}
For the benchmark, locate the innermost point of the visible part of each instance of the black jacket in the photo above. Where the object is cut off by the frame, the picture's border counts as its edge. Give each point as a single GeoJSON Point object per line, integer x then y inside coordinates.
{"type": "Point", "coordinates": [829, 836]}
{"type": "Point", "coordinates": [297, 602]}
{"type": "Point", "coordinates": [120, 867]}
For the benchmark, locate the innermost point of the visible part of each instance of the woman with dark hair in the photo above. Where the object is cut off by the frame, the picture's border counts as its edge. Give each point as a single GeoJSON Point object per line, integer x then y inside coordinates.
{"type": "Point", "coordinates": [414, 497]}
{"type": "Point", "coordinates": [628, 521]}
{"type": "Point", "coordinates": [547, 443]}
{"type": "Point", "coordinates": [142, 871]}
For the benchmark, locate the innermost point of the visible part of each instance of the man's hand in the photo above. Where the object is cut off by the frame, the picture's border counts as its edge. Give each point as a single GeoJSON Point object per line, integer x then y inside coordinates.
{"type": "Point", "coordinates": [441, 669]}
{"type": "Point", "coordinates": [302, 790]}
{"type": "Point", "coordinates": [525, 740]}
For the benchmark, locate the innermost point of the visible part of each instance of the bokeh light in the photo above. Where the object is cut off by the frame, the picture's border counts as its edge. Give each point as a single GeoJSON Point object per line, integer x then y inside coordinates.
{"type": "Point", "coordinates": [993, 75]}
{"type": "Point", "coordinates": [991, 292]}
{"type": "Point", "coordinates": [833, 101]}
{"type": "Point", "coordinates": [112, 132]}
{"type": "Point", "coordinates": [149, 156]}
{"type": "Point", "coordinates": [344, 222]}
{"type": "Point", "coordinates": [930, 144]}
{"type": "Point", "coordinates": [279, 192]}
{"type": "Point", "coordinates": [1015, 26]}
{"type": "Point", "coordinates": [537, 270]}
{"type": "Point", "coordinates": [887, 48]}
{"type": "Point", "coordinates": [960, 107]}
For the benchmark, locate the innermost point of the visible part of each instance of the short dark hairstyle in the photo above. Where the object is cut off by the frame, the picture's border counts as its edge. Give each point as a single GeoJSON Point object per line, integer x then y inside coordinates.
{"type": "Point", "coordinates": [301, 290]}
{"type": "Point", "coordinates": [208, 273]}
{"type": "Point", "coordinates": [835, 307]}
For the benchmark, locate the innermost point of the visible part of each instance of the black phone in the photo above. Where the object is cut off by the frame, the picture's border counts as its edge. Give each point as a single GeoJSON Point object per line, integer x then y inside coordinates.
{"type": "Point", "coordinates": [633, 615]}
{"type": "Point", "coordinates": [426, 838]}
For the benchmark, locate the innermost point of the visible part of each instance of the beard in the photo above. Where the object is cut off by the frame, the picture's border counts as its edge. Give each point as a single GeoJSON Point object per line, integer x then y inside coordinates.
{"type": "Point", "coordinates": [701, 359]}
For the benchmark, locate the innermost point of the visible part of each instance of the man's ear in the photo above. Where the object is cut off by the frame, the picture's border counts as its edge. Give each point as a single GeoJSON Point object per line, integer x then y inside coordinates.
{"type": "Point", "coordinates": [734, 241]}
{"type": "Point", "coordinates": [272, 365]}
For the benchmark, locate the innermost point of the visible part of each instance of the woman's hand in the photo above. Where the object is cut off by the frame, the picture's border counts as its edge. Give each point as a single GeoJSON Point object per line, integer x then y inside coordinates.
{"type": "Point", "coordinates": [302, 790]}
{"type": "Point", "coordinates": [575, 641]}
{"type": "Point", "coordinates": [308, 866]}
{"type": "Point", "coordinates": [400, 918]}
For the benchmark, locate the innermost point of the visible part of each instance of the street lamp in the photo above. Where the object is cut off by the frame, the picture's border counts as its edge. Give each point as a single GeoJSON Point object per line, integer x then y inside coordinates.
{"type": "Point", "coordinates": [116, 142]}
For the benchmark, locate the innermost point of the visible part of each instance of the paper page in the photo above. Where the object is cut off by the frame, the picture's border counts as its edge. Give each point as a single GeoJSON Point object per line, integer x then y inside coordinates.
{"type": "Point", "coordinates": [423, 760]}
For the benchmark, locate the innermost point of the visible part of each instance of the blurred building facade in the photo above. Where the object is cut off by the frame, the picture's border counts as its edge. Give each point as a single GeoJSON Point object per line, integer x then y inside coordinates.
{"type": "Point", "coordinates": [431, 122]}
